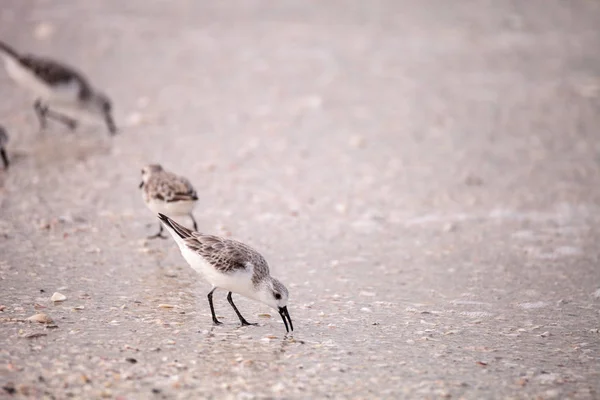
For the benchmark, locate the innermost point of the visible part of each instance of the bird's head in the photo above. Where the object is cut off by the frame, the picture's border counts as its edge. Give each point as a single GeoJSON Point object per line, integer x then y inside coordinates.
{"type": "Point", "coordinates": [274, 294]}
{"type": "Point", "coordinates": [148, 171]}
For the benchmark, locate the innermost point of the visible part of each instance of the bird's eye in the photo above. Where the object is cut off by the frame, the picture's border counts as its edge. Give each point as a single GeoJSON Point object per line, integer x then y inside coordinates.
{"type": "Point", "coordinates": [277, 296]}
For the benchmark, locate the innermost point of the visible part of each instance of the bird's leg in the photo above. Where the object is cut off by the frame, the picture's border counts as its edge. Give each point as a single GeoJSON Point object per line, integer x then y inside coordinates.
{"type": "Point", "coordinates": [70, 122]}
{"type": "Point", "coordinates": [194, 221]}
{"type": "Point", "coordinates": [159, 234]}
{"type": "Point", "coordinates": [110, 123]}
{"type": "Point", "coordinates": [4, 157]}
{"type": "Point", "coordinates": [242, 319]}
{"type": "Point", "coordinates": [41, 112]}
{"type": "Point", "coordinates": [212, 308]}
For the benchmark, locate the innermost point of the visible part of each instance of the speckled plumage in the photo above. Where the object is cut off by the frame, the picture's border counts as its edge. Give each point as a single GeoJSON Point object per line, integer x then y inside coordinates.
{"type": "Point", "coordinates": [225, 255]}
{"type": "Point", "coordinates": [166, 186]}
{"type": "Point", "coordinates": [167, 193]}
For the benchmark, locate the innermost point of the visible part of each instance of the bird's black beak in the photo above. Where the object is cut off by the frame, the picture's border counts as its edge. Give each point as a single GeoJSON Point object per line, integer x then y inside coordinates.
{"type": "Point", "coordinates": [141, 184]}
{"type": "Point", "coordinates": [283, 311]}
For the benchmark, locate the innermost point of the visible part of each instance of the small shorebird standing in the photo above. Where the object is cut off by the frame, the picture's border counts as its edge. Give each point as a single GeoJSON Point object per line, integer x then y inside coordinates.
{"type": "Point", "coordinates": [167, 193]}
{"type": "Point", "coordinates": [3, 142]}
{"type": "Point", "coordinates": [233, 266]}
{"type": "Point", "coordinates": [58, 85]}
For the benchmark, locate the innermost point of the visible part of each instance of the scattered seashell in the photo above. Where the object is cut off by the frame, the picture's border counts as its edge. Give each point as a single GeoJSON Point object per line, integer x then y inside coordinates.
{"type": "Point", "coordinates": [56, 297]}
{"type": "Point", "coordinates": [41, 318]}
{"type": "Point", "coordinates": [35, 335]}
{"type": "Point", "coordinates": [357, 141]}
{"type": "Point", "coordinates": [264, 315]}
{"type": "Point", "coordinates": [341, 208]}
{"type": "Point", "coordinates": [449, 227]}
{"type": "Point", "coordinates": [77, 308]}
{"type": "Point", "coordinates": [166, 306]}
{"type": "Point", "coordinates": [43, 30]}
{"type": "Point", "coordinates": [170, 273]}
{"type": "Point", "coordinates": [134, 119]}
{"type": "Point", "coordinates": [278, 387]}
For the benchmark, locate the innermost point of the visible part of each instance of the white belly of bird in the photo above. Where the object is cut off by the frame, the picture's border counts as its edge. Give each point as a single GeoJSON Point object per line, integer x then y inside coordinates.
{"type": "Point", "coordinates": [171, 208]}
{"type": "Point", "coordinates": [237, 282]}
{"type": "Point", "coordinates": [58, 94]}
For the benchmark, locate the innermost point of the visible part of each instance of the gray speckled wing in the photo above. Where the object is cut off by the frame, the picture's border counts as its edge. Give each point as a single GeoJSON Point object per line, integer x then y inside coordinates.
{"type": "Point", "coordinates": [169, 187]}
{"type": "Point", "coordinates": [227, 255]}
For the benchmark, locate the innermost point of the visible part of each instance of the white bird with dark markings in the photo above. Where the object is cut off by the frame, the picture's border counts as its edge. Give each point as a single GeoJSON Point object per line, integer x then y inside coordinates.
{"type": "Point", "coordinates": [56, 85]}
{"type": "Point", "coordinates": [233, 266]}
{"type": "Point", "coordinates": [167, 193]}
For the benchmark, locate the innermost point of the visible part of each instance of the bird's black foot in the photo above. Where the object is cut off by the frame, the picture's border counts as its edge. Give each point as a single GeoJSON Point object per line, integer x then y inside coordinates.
{"type": "Point", "coordinates": [159, 234]}
{"type": "Point", "coordinates": [246, 323]}
{"type": "Point", "coordinates": [4, 158]}
{"type": "Point", "coordinates": [40, 112]}
{"type": "Point", "coordinates": [216, 322]}
{"type": "Point", "coordinates": [110, 124]}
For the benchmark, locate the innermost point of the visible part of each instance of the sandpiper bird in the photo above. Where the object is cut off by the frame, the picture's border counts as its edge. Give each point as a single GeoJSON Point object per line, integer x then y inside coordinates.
{"type": "Point", "coordinates": [3, 142]}
{"type": "Point", "coordinates": [58, 85]}
{"type": "Point", "coordinates": [167, 193]}
{"type": "Point", "coordinates": [233, 266]}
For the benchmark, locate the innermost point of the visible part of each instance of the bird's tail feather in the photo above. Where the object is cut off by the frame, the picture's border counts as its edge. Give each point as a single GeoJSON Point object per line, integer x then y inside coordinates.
{"type": "Point", "coordinates": [173, 226]}
{"type": "Point", "coordinates": [6, 49]}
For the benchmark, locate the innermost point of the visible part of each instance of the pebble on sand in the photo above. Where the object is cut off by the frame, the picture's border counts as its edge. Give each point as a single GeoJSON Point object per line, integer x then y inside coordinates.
{"type": "Point", "coordinates": [43, 30]}
{"type": "Point", "coordinates": [57, 297]}
{"type": "Point", "coordinates": [41, 318]}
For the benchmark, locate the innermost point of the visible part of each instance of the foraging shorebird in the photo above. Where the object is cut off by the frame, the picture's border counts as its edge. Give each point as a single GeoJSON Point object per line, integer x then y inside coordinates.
{"type": "Point", "coordinates": [56, 85]}
{"type": "Point", "coordinates": [167, 193]}
{"type": "Point", "coordinates": [233, 266]}
{"type": "Point", "coordinates": [3, 142]}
